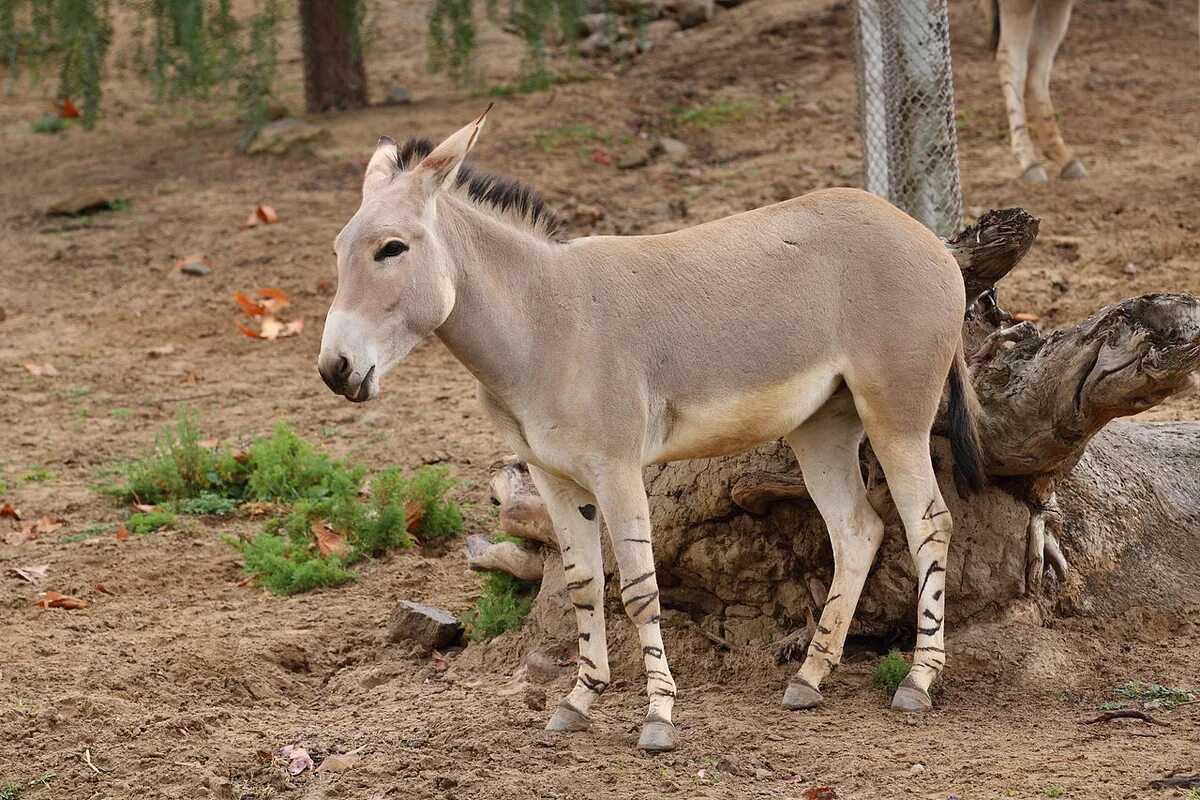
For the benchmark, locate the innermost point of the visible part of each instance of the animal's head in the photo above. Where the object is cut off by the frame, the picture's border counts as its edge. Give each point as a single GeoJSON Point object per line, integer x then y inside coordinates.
{"type": "Point", "coordinates": [395, 280]}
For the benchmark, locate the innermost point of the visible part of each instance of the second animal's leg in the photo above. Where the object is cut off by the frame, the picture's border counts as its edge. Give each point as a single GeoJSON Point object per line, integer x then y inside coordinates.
{"type": "Point", "coordinates": [1016, 33]}
{"type": "Point", "coordinates": [826, 446]}
{"type": "Point", "coordinates": [577, 526]}
{"type": "Point", "coordinates": [622, 496]}
{"type": "Point", "coordinates": [1050, 26]}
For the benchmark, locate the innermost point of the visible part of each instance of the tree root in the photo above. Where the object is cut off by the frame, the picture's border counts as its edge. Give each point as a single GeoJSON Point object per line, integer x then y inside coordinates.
{"type": "Point", "coordinates": [1125, 713]}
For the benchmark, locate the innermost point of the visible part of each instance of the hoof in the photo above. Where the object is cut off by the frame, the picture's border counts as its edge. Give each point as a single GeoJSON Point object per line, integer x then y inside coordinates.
{"type": "Point", "coordinates": [1034, 174]}
{"type": "Point", "coordinates": [658, 736]}
{"type": "Point", "coordinates": [800, 695]}
{"type": "Point", "coordinates": [1074, 170]}
{"type": "Point", "coordinates": [568, 719]}
{"type": "Point", "coordinates": [910, 697]}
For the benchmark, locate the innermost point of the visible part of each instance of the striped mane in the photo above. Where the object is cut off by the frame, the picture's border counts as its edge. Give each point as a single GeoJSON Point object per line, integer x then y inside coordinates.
{"type": "Point", "coordinates": [507, 198]}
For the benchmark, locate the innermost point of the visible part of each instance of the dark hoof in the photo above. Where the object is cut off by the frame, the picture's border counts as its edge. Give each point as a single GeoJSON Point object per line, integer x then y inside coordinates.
{"type": "Point", "coordinates": [1035, 174]}
{"type": "Point", "coordinates": [658, 736]}
{"type": "Point", "coordinates": [801, 695]}
{"type": "Point", "coordinates": [567, 718]}
{"type": "Point", "coordinates": [910, 697]}
{"type": "Point", "coordinates": [1074, 170]}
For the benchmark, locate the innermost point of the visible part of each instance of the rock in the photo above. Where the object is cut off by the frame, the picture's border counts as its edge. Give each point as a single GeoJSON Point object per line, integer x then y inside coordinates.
{"type": "Point", "coordinates": [510, 557]}
{"type": "Point", "coordinates": [915, 770]}
{"type": "Point", "coordinates": [197, 268]}
{"type": "Point", "coordinates": [590, 24]}
{"type": "Point", "coordinates": [596, 44]}
{"type": "Point", "coordinates": [430, 627]}
{"type": "Point", "coordinates": [1130, 269]}
{"type": "Point", "coordinates": [535, 698]}
{"type": "Point", "coordinates": [634, 156]}
{"type": "Point", "coordinates": [691, 13]}
{"type": "Point", "coordinates": [282, 136]}
{"type": "Point", "coordinates": [81, 201]}
{"type": "Point", "coordinates": [672, 148]}
{"type": "Point", "coordinates": [398, 96]}
{"type": "Point", "coordinates": [660, 30]}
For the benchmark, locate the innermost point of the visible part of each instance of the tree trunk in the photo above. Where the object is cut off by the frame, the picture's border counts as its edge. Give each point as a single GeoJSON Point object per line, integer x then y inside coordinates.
{"type": "Point", "coordinates": [1114, 508]}
{"type": "Point", "coordinates": [334, 76]}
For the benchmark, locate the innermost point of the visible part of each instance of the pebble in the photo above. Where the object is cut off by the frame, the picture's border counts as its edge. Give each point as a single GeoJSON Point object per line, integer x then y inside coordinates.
{"type": "Point", "coordinates": [430, 627]}
{"type": "Point", "coordinates": [196, 268]}
{"type": "Point", "coordinates": [1130, 269]}
{"type": "Point", "coordinates": [915, 770]}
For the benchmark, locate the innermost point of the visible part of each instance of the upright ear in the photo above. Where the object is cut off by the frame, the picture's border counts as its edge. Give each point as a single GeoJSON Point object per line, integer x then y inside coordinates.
{"type": "Point", "coordinates": [383, 165]}
{"type": "Point", "coordinates": [440, 167]}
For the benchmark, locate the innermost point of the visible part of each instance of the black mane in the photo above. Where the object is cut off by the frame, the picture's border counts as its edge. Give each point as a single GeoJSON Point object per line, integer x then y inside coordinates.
{"type": "Point", "coordinates": [503, 194]}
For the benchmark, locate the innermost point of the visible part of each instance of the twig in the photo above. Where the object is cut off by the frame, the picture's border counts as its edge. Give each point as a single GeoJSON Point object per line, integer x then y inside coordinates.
{"type": "Point", "coordinates": [1187, 703]}
{"type": "Point", "coordinates": [157, 400]}
{"type": "Point", "coordinates": [1177, 782]}
{"type": "Point", "coordinates": [87, 758]}
{"type": "Point", "coordinates": [712, 637]}
{"type": "Point", "coordinates": [1125, 713]}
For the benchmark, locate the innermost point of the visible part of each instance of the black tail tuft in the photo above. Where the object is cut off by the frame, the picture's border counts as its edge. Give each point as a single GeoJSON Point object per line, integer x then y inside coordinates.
{"type": "Point", "coordinates": [963, 420]}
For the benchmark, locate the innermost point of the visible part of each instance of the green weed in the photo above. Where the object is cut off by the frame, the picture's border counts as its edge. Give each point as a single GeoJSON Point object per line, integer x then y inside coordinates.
{"type": "Point", "coordinates": [39, 474]}
{"type": "Point", "coordinates": [503, 606]}
{"type": "Point", "coordinates": [151, 521]}
{"type": "Point", "coordinates": [179, 467]}
{"type": "Point", "coordinates": [47, 123]}
{"type": "Point", "coordinates": [571, 134]}
{"type": "Point", "coordinates": [121, 413]}
{"type": "Point", "coordinates": [208, 504]}
{"type": "Point", "coordinates": [287, 567]}
{"type": "Point", "coordinates": [707, 116]}
{"type": "Point", "coordinates": [1160, 696]}
{"type": "Point", "coordinates": [90, 532]}
{"type": "Point", "coordinates": [1054, 790]}
{"type": "Point", "coordinates": [891, 671]}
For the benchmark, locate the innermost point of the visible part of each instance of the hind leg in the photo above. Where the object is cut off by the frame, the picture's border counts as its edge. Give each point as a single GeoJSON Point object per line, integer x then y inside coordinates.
{"type": "Point", "coordinates": [904, 455]}
{"type": "Point", "coordinates": [1049, 29]}
{"type": "Point", "coordinates": [826, 446]}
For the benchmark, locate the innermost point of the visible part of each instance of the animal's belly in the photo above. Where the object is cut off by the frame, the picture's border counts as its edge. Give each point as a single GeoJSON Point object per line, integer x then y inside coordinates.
{"type": "Point", "coordinates": [738, 420]}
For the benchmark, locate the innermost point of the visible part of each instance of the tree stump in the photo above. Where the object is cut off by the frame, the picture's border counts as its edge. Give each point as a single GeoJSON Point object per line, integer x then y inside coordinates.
{"type": "Point", "coordinates": [1081, 515]}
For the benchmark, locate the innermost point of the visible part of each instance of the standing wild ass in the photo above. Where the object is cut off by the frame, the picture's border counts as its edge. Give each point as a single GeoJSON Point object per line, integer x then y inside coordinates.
{"type": "Point", "coordinates": [815, 319]}
{"type": "Point", "coordinates": [1025, 37]}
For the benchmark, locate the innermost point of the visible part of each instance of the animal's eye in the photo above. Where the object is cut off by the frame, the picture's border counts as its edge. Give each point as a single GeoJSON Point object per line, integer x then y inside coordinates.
{"type": "Point", "coordinates": [393, 247]}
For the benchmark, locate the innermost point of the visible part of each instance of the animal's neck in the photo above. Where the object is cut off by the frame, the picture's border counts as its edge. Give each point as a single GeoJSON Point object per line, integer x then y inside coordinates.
{"type": "Point", "coordinates": [502, 273]}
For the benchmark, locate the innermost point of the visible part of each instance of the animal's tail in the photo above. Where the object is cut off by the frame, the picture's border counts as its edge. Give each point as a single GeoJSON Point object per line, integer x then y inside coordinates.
{"type": "Point", "coordinates": [962, 419]}
{"type": "Point", "coordinates": [991, 15]}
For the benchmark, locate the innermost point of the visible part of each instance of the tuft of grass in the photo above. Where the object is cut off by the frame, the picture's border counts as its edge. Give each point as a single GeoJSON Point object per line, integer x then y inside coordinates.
{"type": "Point", "coordinates": [121, 413]}
{"type": "Point", "coordinates": [48, 123]}
{"type": "Point", "coordinates": [39, 474]}
{"type": "Point", "coordinates": [179, 467]}
{"type": "Point", "coordinates": [208, 504]}
{"type": "Point", "coordinates": [1160, 696]}
{"type": "Point", "coordinates": [707, 116]}
{"type": "Point", "coordinates": [570, 134]}
{"type": "Point", "coordinates": [1054, 790]}
{"type": "Point", "coordinates": [505, 603]}
{"type": "Point", "coordinates": [90, 532]}
{"type": "Point", "coordinates": [891, 671]}
{"type": "Point", "coordinates": [286, 467]}
{"type": "Point", "coordinates": [287, 567]}
{"type": "Point", "coordinates": [151, 521]}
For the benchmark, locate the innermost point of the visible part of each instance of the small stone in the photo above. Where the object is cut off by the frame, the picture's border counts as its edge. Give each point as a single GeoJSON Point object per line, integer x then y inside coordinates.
{"type": "Point", "coordinates": [535, 698]}
{"type": "Point", "coordinates": [398, 96]}
{"type": "Point", "coordinates": [197, 268]}
{"type": "Point", "coordinates": [691, 13]}
{"type": "Point", "coordinates": [1130, 269]}
{"type": "Point", "coordinates": [672, 148]}
{"type": "Point", "coordinates": [634, 156]}
{"type": "Point", "coordinates": [596, 44]}
{"type": "Point", "coordinates": [282, 136]}
{"type": "Point", "coordinates": [915, 770]}
{"type": "Point", "coordinates": [430, 627]}
{"type": "Point", "coordinates": [445, 782]}
{"type": "Point", "coordinates": [81, 201]}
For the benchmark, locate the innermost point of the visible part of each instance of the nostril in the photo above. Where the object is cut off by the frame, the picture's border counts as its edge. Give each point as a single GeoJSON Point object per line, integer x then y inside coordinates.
{"type": "Point", "coordinates": [343, 367]}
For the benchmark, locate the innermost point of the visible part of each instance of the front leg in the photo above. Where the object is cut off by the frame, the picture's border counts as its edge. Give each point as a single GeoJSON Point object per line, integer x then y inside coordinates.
{"type": "Point", "coordinates": [622, 496]}
{"type": "Point", "coordinates": [577, 526]}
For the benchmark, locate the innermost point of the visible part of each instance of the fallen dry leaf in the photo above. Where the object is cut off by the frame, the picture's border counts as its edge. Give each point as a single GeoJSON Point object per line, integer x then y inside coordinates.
{"type": "Point", "coordinates": [41, 370]}
{"type": "Point", "coordinates": [329, 543]}
{"type": "Point", "coordinates": [48, 524]}
{"type": "Point", "coordinates": [145, 508]}
{"type": "Point", "coordinates": [271, 328]}
{"type": "Point", "coordinates": [56, 600]}
{"type": "Point", "coordinates": [32, 573]}
{"type": "Point", "coordinates": [66, 109]}
{"type": "Point", "coordinates": [103, 588]}
{"type": "Point", "coordinates": [244, 582]}
{"type": "Point", "coordinates": [27, 534]}
{"type": "Point", "coordinates": [820, 793]}
{"type": "Point", "coordinates": [263, 754]}
{"type": "Point", "coordinates": [7, 510]}
{"type": "Point", "coordinates": [261, 215]}
{"type": "Point", "coordinates": [1025, 316]}
{"type": "Point", "coordinates": [266, 303]}
{"type": "Point", "coordinates": [194, 258]}
{"type": "Point", "coordinates": [338, 763]}
{"type": "Point", "coordinates": [297, 758]}
{"type": "Point", "coordinates": [247, 305]}
{"type": "Point", "coordinates": [122, 532]}
{"type": "Point", "coordinates": [413, 513]}
{"type": "Point", "coordinates": [161, 350]}
{"type": "Point", "coordinates": [272, 299]}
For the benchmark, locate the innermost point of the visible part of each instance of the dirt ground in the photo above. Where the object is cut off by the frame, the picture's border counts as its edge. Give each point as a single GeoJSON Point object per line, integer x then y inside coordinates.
{"type": "Point", "coordinates": [172, 680]}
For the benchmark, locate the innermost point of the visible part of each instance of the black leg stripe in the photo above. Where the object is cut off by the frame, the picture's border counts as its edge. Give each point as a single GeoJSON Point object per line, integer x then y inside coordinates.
{"type": "Point", "coordinates": [831, 598]}
{"type": "Point", "coordinates": [639, 541]}
{"type": "Point", "coordinates": [654, 652]}
{"type": "Point", "coordinates": [822, 629]}
{"type": "Point", "coordinates": [587, 661]}
{"type": "Point", "coordinates": [585, 637]}
{"type": "Point", "coordinates": [573, 585]}
{"type": "Point", "coordinates": [934, 567]}
{"type": "Point", "coordinates": [584, 606]}
{"type": "Point", "coordinates": [650, 599]}
{"type": "Point", "coordinates": [636, 581]}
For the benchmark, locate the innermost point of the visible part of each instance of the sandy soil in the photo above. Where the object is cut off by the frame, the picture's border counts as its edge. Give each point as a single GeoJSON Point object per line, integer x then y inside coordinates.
{"type": "Point", "coordinates": [177, 678]}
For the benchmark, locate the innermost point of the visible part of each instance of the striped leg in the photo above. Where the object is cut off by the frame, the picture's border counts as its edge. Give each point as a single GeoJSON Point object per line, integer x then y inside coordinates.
{"type": "Point", "coordinates": [622, 498]}
{"type": "Point", "coordinates": [1012, 55]}
{"type": "Point", "coordinates": [1049, 29]}
{"type": "Point", "coordinates": [927, 526]}
{"type": "Point", "coordinates": [573, 511]}
{"type": "Point", "coordinates": [826, 446]}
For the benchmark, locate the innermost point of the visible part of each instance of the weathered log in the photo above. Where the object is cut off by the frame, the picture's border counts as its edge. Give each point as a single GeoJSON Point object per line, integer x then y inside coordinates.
{"type": "Point", "coordinates": [1114, 508]}
{"type": "Point", "coordinates": [484, 554]}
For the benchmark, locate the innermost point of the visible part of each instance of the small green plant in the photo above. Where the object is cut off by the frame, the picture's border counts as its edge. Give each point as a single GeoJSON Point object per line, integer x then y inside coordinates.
{"type": "Point", "coordinates": [891, 671]}
{"type": "Point", "coordinates": [48, 123]}
{"type": "Point", "coordinates": [287, 567]}
{"type": "Point", "coordinates": [39, 474]}
{"type": "Point", "coordinates": [151, 521]}
{"type": "Point", "coordinates": [121, 413]}
{"type": "Point", "coordinates": [571, 134]}
{"type": "Point", "coordinates": [286, 467]}
{"type": "Point", "coordinates": [10, 791]}
{"type": "Point", "coordinates": [179, 467]}
{"type": "Point", "coordinates": [1112, 706]}
{"type": "Point", "coordinates": [1054, 790]}
{"type": "Point", "coordinates": [503, 606]}
{"type": "Point", "coordinates": [1160, 696]}
{"type": "Point", "coordinates": [90, 532]}
{"type": "Point", "coordinates": [706, 116]}
{"type": "Point", "coordinates": [208, 504]}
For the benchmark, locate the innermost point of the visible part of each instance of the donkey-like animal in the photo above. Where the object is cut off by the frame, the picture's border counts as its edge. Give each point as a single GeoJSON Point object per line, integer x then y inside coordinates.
{"type": "Point", "coordinates": [1025, 37]}
{"type": "Point", "coordinates": [814, 319]}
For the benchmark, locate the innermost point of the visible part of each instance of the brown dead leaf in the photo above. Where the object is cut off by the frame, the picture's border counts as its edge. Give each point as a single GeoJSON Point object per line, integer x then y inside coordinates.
{"type": "Point", "coordinates": [414, 512]}
{"type": "Point", "coordinates": [160, 351]}
{"type": "Point", "coordinates": [1025, 316]}
{"type": "Point", "coordinates": [297, 758]}
{"type": "Point", "coordinates": [820, 793]}
{"type": "Point", "coordinates": [7, 510]}
{"type": "Point", "coordinates": [338, 763]}
{"type": "Point", "coordinates": [32, 573]}
{"type": "Point", "coordinates": [41, 370]}
{"type": "Point", "coordinates": [272, 299]}
{"type": "Point", "coordinates": [271, 328]}
{"type": "Point", "coordinates": [57, 600]}
{"type": "Point", "coordinates": [66, 109]}
{"type": "Point", "coordinates": [263, 754]}
{"type": "Point", "coordinates": [247, 305]}
{"type": "Point", "coordinates": [122, 533]}
{"type": "Point", "coordinates": [103, 588]}
{"type": "Point", "coordinates": [27, 533]}
{"type": "Point", "coordinates": [48, 524]}
{"type": "Point", "coordinates": [329, 543]}
{"type": "Point", "coordinates": [261, 215]}
{"type": "Point", "coordinates": [244, 582]}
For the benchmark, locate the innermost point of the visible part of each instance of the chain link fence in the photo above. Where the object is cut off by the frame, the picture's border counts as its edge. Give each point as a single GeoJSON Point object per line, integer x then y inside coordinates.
{"type": "Point", "coordinates": [906, 98]}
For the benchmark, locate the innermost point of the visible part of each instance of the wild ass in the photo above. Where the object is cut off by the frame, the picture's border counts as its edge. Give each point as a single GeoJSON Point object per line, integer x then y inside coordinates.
{"type": "Point", "coordinates": [1025, 37]}
{"type": "Point", "coordinates": [815, 319]}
